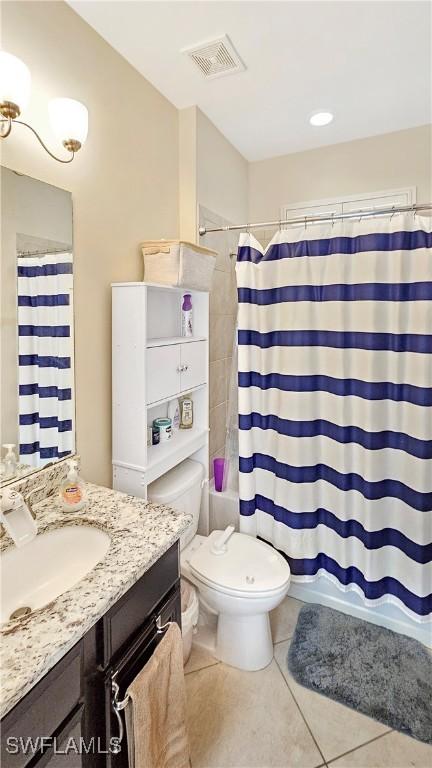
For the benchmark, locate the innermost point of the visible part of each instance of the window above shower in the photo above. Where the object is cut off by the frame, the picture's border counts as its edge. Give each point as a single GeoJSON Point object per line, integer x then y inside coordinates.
{"type": "Point", "coordinates": [37, 405]}
{"type": "Point", "coordinates": [337, 205]}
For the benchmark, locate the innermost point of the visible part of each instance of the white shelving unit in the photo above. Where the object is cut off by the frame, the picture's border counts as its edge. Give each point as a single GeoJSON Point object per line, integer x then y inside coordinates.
{"type": "Point", "coordinates": [152, 364]}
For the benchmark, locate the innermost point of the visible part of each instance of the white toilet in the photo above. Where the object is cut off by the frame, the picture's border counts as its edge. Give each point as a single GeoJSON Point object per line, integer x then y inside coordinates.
{"type": "Point", "coordinates": [239, 578]}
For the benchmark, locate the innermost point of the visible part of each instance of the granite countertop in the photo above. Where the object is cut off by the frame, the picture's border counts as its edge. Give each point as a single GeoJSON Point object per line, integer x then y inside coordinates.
{"type": "Point", "coordinates": [140, 533]}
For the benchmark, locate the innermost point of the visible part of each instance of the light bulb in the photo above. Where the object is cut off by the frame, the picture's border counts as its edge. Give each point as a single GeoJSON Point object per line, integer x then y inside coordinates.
{"type": "Point", "coordinates": [15, 81]}
{"type": "Point", "coordinates": [69, 120]}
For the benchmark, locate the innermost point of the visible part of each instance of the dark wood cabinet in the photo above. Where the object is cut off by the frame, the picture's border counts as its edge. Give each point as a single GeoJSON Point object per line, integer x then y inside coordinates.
{"type": "Point", "coordinates": [127, 616]}
{"type": "Point", "coordinates": [67, 719]}
{"type": "Point", "coordinates": [67, 751]}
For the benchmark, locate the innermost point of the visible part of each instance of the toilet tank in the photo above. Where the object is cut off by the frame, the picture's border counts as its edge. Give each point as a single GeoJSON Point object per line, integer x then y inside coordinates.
{"type": "Point", "coordinates": [181, 489]}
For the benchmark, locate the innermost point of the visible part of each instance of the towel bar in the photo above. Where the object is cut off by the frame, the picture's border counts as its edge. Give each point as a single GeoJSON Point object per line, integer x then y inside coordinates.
{"type": "Point", "coordinates": [118, 706]}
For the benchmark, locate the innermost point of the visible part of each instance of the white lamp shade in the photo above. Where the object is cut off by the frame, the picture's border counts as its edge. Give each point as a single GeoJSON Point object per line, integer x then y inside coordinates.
{"type": "Point", "coordinates": [15, 80]}
{"type": "Point", "coordinates": [69, 119]}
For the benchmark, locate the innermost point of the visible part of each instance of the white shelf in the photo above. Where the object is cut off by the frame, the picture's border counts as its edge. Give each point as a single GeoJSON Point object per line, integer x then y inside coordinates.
{"type": "Point", "coordinates": [159, 287]}
{"type": "Point", "coordinates": [165, 456]}
{"type": "Point", "coordinates": [168, 340]}
{"type": "Point", "coordinates": [189, 391]}
{"type": "Point", "coordinates": [177, 288]}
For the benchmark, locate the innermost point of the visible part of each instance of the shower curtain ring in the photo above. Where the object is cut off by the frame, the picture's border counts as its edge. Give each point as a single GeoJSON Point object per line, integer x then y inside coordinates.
{"type": "Point", "coordinates": [332, 223]}
{"type": "Point", "coordinates": [305, 222]}
{"type": "Point", "coordinates": [393, 208]}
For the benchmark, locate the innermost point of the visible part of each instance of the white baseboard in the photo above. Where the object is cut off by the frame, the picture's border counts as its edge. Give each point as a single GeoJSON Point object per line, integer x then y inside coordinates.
{"type": "Point", "coordinates": [324, 592]}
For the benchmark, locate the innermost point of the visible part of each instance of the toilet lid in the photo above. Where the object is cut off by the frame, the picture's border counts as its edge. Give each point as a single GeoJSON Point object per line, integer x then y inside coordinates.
{"type": "Point", "coordinates": [248, 565]}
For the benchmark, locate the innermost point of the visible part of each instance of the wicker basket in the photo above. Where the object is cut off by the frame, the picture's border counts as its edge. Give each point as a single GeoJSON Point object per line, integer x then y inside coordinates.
{"type": "Point", "coordinates": [179, 263]}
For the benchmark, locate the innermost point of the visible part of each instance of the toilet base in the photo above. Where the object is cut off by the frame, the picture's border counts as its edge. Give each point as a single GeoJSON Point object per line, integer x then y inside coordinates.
{"type": "Point", "coordinates": [232, 627]}
{"type": "Point", "coordinates": [244, 642]}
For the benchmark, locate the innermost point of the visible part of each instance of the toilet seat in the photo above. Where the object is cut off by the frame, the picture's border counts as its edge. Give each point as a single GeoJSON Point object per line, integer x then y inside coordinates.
{"type": "Point", "coordinates": [248, 568]}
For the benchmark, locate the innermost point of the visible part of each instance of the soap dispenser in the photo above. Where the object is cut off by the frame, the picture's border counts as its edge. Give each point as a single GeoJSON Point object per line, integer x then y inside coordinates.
{"type": "Point", "coordinates": [9, 461]}
{"type": "Point", "coordinates": [16, 517]}
{"type": "Point", "coordinates": [72, 492]}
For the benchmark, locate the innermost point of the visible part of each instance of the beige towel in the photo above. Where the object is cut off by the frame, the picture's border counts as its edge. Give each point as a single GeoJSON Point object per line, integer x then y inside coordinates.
{"type": "Point", "coordinates": [156, 713]}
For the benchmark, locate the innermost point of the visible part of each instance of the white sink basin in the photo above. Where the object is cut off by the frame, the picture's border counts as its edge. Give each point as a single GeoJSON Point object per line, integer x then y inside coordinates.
{"type": "Point", "coordinates": [52, 563]}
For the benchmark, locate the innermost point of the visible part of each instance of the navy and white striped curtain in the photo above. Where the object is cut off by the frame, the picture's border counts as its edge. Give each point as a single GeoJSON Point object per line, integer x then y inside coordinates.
{"type": "Point", "coordinates": [335, 396]}
{"type": "Point", "coordinates": [45, 348]}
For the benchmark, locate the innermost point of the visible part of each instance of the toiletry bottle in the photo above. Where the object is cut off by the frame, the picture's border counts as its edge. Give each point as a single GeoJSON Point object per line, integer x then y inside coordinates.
{"type": "Point", "coordinates": [174, 414]}
{"type": "Point", "coordinates": [72, 492]}
{"type": "Point", "coordinates": [10, 461]}
{"type": "Point", "coordinates": [186, 412]}
{"type": "Point", "coordinates": [187, 329]}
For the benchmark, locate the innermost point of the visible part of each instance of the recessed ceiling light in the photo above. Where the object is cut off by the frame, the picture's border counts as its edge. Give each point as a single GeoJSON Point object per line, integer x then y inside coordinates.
{"type": "Point", "coordinates": [321, 118]}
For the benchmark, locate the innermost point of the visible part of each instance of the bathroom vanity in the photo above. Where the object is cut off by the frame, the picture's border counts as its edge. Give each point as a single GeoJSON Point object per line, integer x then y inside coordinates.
{"type": "Point", "coordinates": [61, 665]}
{"type": "Point", "coordinates": [81, 603]}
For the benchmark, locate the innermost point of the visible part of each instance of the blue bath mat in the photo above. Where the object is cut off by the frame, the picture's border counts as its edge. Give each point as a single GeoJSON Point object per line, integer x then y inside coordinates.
{"type": "Point", "coordinates": [373, 670]}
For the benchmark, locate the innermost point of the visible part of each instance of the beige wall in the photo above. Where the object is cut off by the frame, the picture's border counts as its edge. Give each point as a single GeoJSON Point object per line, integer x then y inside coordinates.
{"type": "Point", "coordinates": [212, 173]}
{"type": "Point", "coordinates": [124, 185]}
{"type": "Point", "coordinates": [222, 196]}
{"type": "Point", "coordinates": [188, 174]}
{"type": "Point", "coordinates": [390, 161]}
{"type": "Point", "coordinates": [222, 173]}
{"type": "Point", "coordinates": [214, 191]}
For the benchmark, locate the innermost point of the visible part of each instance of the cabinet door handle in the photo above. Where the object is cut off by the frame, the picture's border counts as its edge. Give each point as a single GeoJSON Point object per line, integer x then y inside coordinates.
{"type": "Point", "coordinates": [185, 367]}
{"type": "Point", "coordinates": [117, 707]}
{"type": "Point", "coordinates": [180, 368]}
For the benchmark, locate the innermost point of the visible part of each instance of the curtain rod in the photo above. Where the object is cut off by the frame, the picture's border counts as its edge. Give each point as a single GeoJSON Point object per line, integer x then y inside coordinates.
{"type": "Point", "coordinates": [28, 254]}
{"type": "Point", "coordinates": [360, 213]}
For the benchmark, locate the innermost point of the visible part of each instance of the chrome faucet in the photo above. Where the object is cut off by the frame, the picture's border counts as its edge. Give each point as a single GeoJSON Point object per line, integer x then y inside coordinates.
{"type": "Point", "coordinates": [16, 517]}
{"type": "Point", "coordinates": [27, 499]}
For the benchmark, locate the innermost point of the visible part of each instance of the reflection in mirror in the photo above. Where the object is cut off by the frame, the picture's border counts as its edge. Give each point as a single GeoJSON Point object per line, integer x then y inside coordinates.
{"type": "Point", "coordinates": [37, 415]}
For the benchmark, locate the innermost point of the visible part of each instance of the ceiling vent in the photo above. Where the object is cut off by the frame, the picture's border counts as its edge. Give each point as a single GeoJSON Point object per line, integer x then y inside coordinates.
{"type": "Point", "coordinates": [215, 58]}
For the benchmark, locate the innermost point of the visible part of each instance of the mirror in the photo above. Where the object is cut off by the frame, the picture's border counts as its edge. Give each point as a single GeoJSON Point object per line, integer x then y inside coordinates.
{"type": "Point", "coordinates": [37, 406]}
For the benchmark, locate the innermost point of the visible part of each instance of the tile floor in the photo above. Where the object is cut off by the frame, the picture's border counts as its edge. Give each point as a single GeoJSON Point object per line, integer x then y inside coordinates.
{"type": "Point", "coordinates": [266, 720]}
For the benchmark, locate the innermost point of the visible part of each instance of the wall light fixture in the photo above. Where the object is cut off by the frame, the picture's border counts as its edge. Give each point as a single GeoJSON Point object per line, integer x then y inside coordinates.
{"type": "Point", "coordinates": [69, 118]}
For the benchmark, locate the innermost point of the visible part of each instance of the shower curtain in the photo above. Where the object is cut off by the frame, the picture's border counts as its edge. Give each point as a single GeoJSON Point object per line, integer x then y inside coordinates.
{"type": "Point", "coordinates": [45, 346]}
{"type": "Point", "coordinates": [335, 396]}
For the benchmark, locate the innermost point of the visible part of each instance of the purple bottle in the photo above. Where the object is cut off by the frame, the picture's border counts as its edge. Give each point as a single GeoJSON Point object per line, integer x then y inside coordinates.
{"type": "Point", "coordinates": [219, 466]}
{"type": "Point", "coordinates": [187, 315]}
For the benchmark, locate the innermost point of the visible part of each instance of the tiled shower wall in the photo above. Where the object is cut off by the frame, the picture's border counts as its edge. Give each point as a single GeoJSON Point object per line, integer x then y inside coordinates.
{"type": "Point", "coordinates": [223, 315]}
